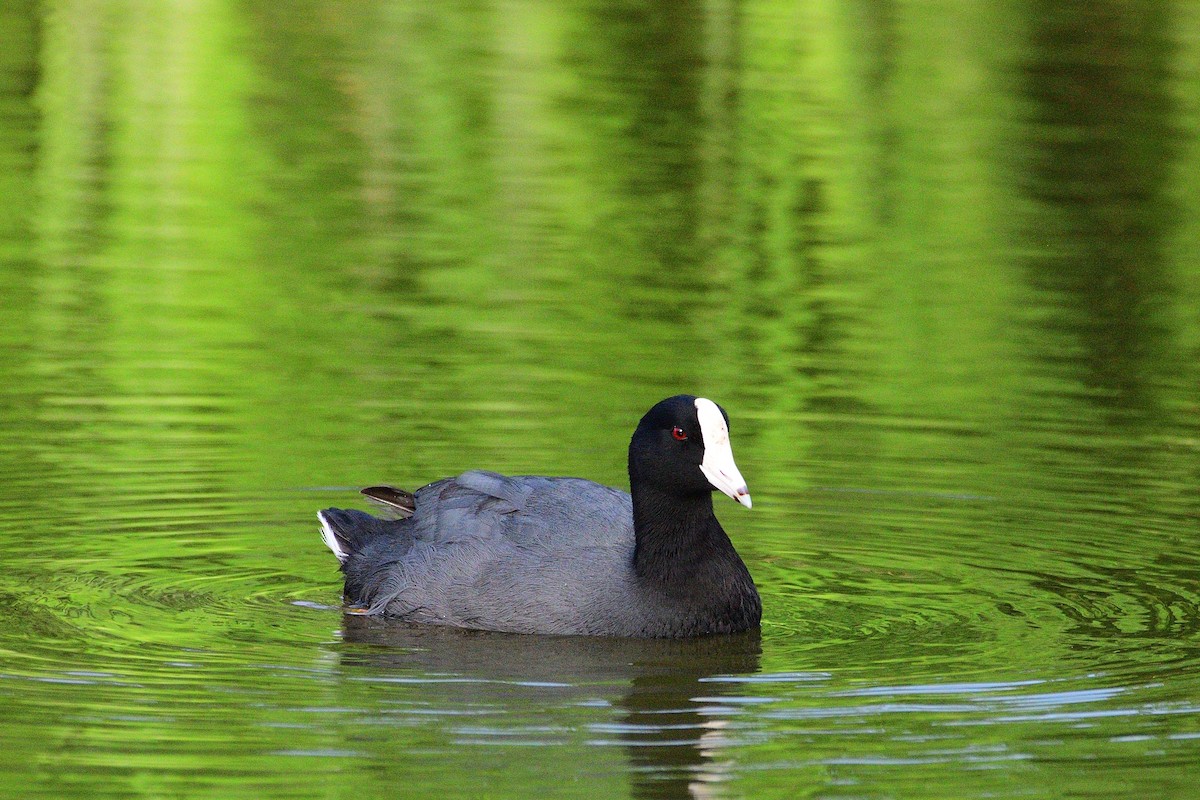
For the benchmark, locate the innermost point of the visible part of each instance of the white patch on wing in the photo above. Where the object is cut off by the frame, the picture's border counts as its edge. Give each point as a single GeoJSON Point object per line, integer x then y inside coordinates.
{"type": "Point", "coordinates": [718, 464]}
{"type": "Point", "coordinates": [330, 539]}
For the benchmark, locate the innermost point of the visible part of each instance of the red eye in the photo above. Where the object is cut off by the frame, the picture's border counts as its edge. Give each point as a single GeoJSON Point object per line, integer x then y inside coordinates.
{"type": "Point", "coordinates": [679, 433]}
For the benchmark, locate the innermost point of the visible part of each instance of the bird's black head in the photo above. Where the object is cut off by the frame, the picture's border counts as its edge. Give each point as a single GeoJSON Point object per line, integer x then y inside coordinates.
{"type": "Point", "coordinates": [681, 447]}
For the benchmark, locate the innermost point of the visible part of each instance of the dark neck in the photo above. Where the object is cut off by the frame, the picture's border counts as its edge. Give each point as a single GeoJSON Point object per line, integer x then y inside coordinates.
{"type": "Point", "coordinates": [673, 534]}
{"type": "Point", "coordinates": [681, 554]}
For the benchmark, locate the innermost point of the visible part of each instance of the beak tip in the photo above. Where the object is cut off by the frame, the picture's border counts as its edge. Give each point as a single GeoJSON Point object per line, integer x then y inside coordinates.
{"type": "Point", "coordinates": [743, 497]}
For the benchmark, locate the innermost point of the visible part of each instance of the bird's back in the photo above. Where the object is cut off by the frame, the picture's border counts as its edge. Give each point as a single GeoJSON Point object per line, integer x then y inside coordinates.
{"type": "Point", "coordinates": [525, 554]}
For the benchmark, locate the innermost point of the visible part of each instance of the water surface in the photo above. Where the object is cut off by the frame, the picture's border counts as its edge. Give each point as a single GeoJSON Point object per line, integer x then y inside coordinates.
{"type": "Point", "coordinates": [939, 264]}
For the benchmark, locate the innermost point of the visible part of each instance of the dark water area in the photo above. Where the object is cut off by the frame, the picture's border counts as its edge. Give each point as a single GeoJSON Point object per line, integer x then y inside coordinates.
{"type": "Point", "coordinates": [940, 262]}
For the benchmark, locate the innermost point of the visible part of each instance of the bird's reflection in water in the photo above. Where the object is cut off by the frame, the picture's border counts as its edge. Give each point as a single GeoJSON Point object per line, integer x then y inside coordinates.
{"type": "Point", "coordinates": [670, 720]}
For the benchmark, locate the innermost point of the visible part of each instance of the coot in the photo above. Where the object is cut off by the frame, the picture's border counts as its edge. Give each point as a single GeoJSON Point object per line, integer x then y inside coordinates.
{"type": "Point", "coordinates": [531, 554]}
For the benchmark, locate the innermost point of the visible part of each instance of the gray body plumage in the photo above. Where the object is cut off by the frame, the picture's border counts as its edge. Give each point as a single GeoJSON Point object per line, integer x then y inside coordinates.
{"type": "Point", "coordinates": [525, 554]}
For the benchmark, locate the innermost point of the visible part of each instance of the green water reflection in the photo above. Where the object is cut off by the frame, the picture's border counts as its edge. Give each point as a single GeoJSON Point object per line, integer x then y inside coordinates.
{"type": "Point", "coordinates": [940, 261]}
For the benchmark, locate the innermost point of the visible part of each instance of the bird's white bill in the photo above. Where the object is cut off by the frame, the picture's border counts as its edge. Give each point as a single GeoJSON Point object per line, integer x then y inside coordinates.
{"type": "Point", "coordinates": [718, 464]}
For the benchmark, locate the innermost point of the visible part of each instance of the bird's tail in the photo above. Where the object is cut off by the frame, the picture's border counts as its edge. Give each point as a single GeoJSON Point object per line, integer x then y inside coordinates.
{"type": "Point", "coordinates": [347, 531]}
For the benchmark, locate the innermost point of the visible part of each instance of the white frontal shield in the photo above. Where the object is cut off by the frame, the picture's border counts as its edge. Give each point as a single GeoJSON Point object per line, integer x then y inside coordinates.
{"type": "Point", "coordinates": [718, 464]}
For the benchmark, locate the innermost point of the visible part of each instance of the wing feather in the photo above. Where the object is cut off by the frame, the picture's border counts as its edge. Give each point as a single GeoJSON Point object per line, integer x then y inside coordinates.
{"type": "Point", "coordinates": [399, 503]}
